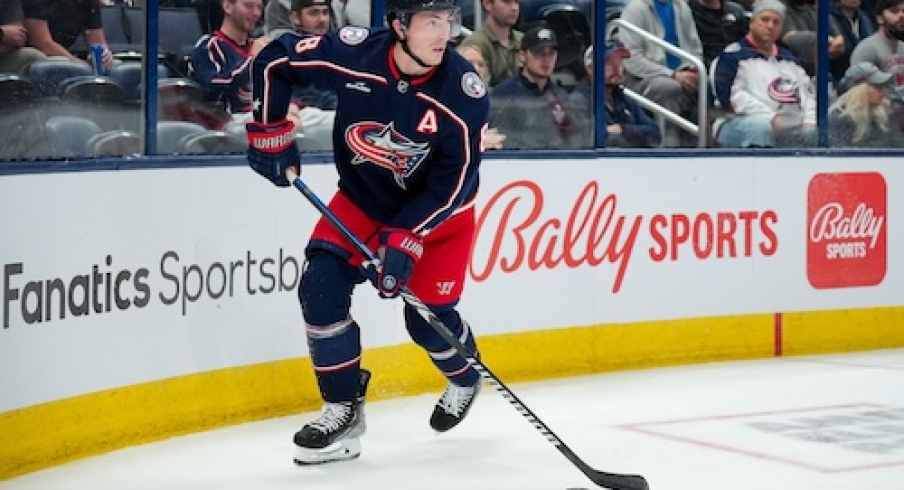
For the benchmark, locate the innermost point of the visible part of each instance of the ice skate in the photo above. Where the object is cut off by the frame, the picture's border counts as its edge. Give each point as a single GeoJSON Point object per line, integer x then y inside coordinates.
{"type": "Point", "coordinates": [453, 406]}
{"type": "Point", "coordinates": [335, 435]}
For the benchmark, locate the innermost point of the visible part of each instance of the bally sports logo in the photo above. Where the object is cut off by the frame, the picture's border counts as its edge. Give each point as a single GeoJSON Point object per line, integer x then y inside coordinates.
{"type": "Point", "coordinates": [846, 236]}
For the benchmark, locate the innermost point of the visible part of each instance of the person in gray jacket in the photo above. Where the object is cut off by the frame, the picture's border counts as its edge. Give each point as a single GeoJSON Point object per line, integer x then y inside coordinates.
{"type": "Point", "coordinates": [656, 74]}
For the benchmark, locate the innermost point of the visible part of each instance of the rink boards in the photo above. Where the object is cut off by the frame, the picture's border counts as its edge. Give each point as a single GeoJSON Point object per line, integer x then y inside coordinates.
{"type": "Point", "coordinates": [146, 303]}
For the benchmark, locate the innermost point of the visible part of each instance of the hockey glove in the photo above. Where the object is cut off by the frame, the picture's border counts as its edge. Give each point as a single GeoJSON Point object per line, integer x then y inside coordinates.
{"type": "Point", "coordinates": [272, 149]}
{"type": "Point", "coordinates": [399, 249]}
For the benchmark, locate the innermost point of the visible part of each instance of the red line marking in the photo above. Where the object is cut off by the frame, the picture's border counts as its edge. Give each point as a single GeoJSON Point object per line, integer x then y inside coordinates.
{"type": "Point", "coordinates": [645, 428]}
{"type": "Point", "coordinates": [759, 455]}
{"type": "Point", "coordinates": [743, 415]}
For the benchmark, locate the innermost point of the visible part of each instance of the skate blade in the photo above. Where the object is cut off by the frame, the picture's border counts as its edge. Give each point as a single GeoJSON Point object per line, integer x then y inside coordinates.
{"type": "Point", "coordinates": [343, 450]}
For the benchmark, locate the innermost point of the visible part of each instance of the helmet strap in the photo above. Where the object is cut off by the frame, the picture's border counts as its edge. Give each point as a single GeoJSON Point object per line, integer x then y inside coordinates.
{"type": "Point", "coordinates": [407, 50]}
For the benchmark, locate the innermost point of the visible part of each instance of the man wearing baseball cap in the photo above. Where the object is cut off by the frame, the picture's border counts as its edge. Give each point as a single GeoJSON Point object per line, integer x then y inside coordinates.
{"type": "Point", "coordinates": [627, 125]}
{"type": "Point", "coordinates": [529, 108]}
{"type": "Point", "coordinates": [312, 108]}
{"type": "Point", "coordinates": [763, 88]}
{"type": "Point", "coordinates": [302, 16]}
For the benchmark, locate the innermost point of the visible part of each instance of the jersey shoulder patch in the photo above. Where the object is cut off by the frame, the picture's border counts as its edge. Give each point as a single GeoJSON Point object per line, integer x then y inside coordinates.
{"type": "Point", "coordinates": [472, 85]}
{"type": "Point", "coordinates": [353, 35]}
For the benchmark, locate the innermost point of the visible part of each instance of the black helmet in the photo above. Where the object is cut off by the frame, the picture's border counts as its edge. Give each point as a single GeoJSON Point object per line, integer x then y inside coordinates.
{"type": "Point", "coordinates": [402, 9]}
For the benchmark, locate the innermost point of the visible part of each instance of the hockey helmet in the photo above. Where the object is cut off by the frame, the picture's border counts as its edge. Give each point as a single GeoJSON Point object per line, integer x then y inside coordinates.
{"type": "Point", "coordinates": [403, 9]}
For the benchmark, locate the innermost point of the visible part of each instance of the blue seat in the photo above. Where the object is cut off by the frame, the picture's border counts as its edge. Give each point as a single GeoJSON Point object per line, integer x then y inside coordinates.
{"type": "Point", "coordinates": [67, 136]}
{"type": "Point", "coordinates": [49, 73]}
{"type": "Point", "coordinates": [128, 76]}
{"type": "Point", "coordinates": [114, 143]}
{"type": "Point", "coordinates": [213, 142]}
{"type": "Point", "coordinates": [92, 90]}
{"type": "Point", "coordinates": [180, 29]}
{"type": "Point", "coordinates": [170, 135]}
{"type": "Point", "coordinates": [16, 90]}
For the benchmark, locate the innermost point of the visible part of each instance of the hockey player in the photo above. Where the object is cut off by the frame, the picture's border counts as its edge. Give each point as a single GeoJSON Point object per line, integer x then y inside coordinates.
{"type": "Point", "coordinates": [407, 147]}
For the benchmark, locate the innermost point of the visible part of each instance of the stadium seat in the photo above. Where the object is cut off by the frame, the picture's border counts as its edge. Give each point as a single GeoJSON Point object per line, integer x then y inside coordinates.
{"type": "Point", "coordinates": [135, 22]}
{"type": "Point", "coordinates": [67, 136]}
{"type": "Point", "coordinates": [171, 133]}
{"type": "Point", "coordinates": [213, 142]}
{"type": "Point", "coordinates": [114, 143]}
{"type": "Point", "coordinates": [128, 76]}
{"type": "Point", "coordinates": [181, 88]}
{"type": "Point", "coordinates": [117, 29]}
{"type": "Point", "coordinates": [49, 73]}
{"type": "Point", "coordinates": [92, 90]}
{"type": "Point", "coordinates": [182, 99]}
{"type": "Point", "coordinates": [180, 29]}
{"type": "Point", "coordinates": [16, 90]}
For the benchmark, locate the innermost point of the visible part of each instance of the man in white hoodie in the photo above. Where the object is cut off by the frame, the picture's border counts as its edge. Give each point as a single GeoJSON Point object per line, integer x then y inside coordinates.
{"type": "Point", "coordinates": [764, 88]}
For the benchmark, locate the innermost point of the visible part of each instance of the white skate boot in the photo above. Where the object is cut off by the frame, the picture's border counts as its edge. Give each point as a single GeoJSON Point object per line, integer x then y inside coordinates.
{"type": "Point", "coordinates": [453, 406]}
{"type": "Point", "coordinates": [335, 436]}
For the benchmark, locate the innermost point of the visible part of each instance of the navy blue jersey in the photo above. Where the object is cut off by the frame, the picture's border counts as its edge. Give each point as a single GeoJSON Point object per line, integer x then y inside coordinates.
{"type": "Point", "coordinates": [407, 149]}
{"type": "Point", "coordinates": [223, 68]}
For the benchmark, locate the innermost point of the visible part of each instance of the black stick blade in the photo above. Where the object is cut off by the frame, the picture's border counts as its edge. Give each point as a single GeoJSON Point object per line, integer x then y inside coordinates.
{"type": "Point", "coordinates": [619, 482]}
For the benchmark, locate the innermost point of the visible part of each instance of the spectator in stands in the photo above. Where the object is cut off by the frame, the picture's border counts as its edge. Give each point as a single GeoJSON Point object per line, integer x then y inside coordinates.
{"type": "Point", "coordinates": [475, 57]}
{"type": "Point", "coordinates": [312, 110]}
{"type": "Point", "coordinates": [719, 23]}
{"type": "Point", "coordinates": [859, 117]}
{"type": "Point", "coordinates": [492, 139]}
{"type": "Point", "coordinates": [498, 40]}
{"type": "Point", "coordinates": [15, 56]}
{"type": "Point", "coordinates": [855, 25]}
{"type": "Point", "coordinates": [656, 74]}
{"type": "Point", "coordinates": [54, 25]}
{"type": "Point", "coordinates": [627, 125]}
{"type": "Point", "coordinates": [221, 62]}
{"type": "Point", "coordinates": [763, 88]}
{"type": "Point", "coordinates": [799, 34]}
{"type": "Point", "coordinates": [885, 48]}
{"type": "Point", "coordinates": [531, 110]}
{"type": "Point", "coordinates": [308, 16]}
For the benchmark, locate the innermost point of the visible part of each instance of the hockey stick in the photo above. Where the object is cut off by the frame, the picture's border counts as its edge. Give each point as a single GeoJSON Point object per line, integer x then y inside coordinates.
{"type": "Point", "coordinates": [603, 479]}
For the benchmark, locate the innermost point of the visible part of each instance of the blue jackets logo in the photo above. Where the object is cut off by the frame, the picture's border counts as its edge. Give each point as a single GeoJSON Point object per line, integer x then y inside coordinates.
{"type": "Point", "coordinates": [383, 146]}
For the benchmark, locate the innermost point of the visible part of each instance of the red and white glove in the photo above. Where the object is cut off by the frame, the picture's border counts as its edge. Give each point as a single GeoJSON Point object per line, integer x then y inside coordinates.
{"type": "Point", "coordinates": [272, 149]}
{"type": "Point", "coordinates": [398, 251]}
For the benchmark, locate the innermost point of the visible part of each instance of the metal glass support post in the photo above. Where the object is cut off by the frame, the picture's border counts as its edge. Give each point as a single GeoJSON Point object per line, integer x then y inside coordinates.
{"type": "Point", "coordinates": [822, 72]}
{"type": "Point", "coordinates": [150, 74]}
{"type": "Point", "coordinates": [599, 69]}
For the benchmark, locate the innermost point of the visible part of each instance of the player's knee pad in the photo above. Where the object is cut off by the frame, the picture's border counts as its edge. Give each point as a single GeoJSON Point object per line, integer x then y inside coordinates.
{"type": "Point", "coordinates": [426, 336]}
{"type": "Point", "coordinates": [325, 289]}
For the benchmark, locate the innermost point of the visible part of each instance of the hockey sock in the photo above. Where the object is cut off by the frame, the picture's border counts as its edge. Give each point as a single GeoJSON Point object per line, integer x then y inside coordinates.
{"type": "Point", "coordinates": [452, 364]}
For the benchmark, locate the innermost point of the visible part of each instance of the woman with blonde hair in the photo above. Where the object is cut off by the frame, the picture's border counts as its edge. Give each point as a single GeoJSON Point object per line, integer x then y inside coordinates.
{"type": "Point", "coordinates": [492, 139]}
{"type": "Point", "coordinates": [859, 118]}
